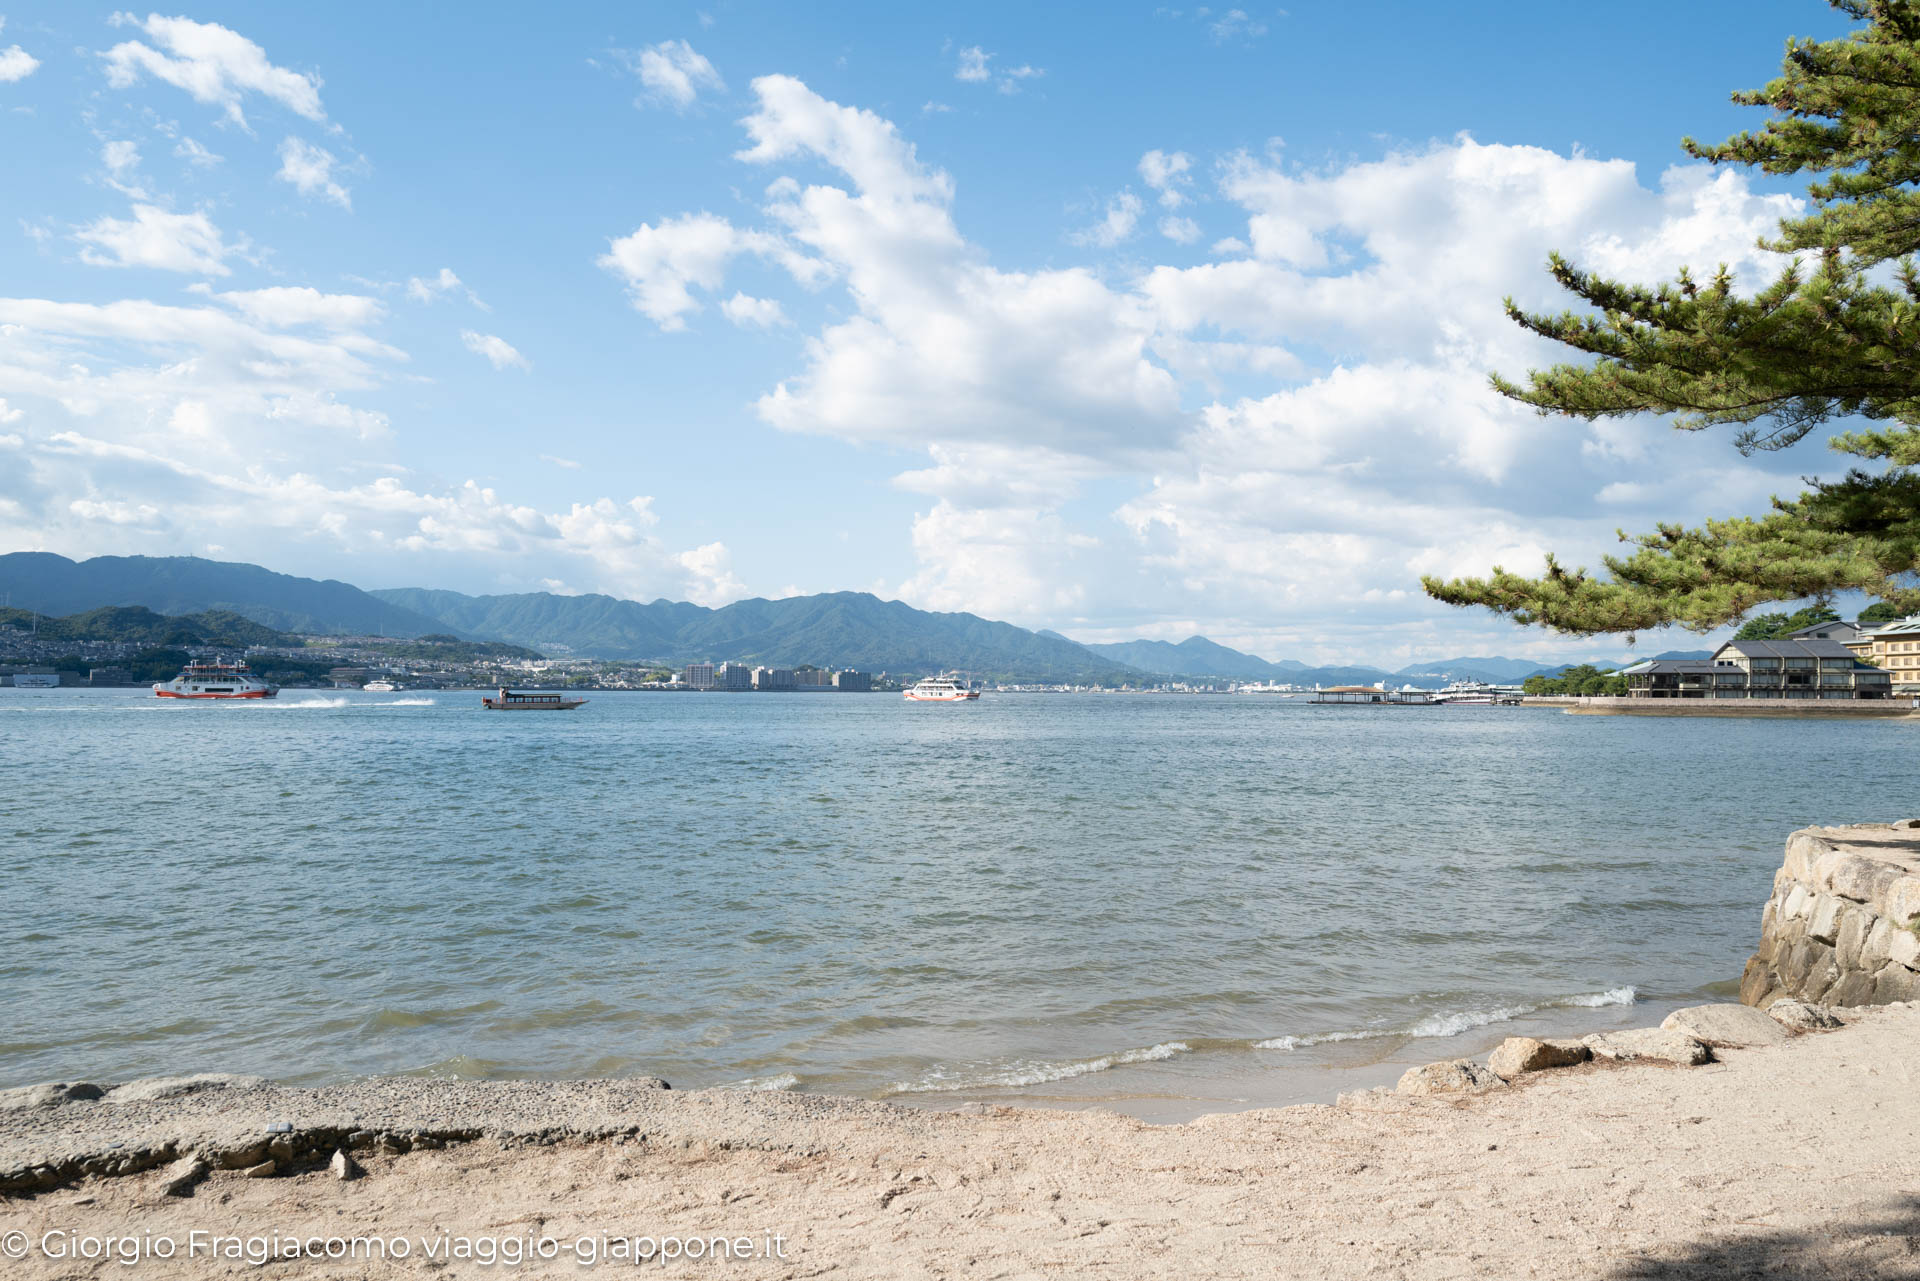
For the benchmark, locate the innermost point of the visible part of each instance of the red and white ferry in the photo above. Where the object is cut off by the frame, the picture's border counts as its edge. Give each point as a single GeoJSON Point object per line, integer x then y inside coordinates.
{"type": "Point", "coordinates": [940, 689]}
{"type": "Point", "coordinates": [215, 680]}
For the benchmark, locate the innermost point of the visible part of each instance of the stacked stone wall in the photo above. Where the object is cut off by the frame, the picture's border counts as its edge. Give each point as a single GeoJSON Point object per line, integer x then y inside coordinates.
{"type": "Point", "coordinates": [1843, 925]}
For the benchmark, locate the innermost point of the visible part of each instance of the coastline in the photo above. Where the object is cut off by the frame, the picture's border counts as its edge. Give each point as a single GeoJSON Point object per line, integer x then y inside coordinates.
{"type": "Point", "coordinates": [1795, 1155]}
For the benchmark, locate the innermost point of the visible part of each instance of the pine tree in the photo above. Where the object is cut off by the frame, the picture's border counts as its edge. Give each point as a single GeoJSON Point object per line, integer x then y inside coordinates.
{"type": "Point", "coordinates": [1836, 335]}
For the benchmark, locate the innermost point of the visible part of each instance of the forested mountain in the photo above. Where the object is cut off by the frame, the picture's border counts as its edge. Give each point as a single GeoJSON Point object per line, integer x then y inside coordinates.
{"type": "Point", "coordinates": [55, 586]}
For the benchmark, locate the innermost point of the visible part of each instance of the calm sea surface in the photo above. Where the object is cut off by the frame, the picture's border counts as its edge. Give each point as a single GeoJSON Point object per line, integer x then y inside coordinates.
{"type": "Point", "coordinates": [1066, 898]}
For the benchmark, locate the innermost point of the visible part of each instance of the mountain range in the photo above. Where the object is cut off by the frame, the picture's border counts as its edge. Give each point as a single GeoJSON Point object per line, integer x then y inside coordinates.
{"type": "Point", "coordinates": [853, 629]}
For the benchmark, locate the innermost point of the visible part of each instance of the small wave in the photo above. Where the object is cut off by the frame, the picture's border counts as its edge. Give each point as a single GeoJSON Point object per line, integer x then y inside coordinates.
{"type": "Point", "coordinates": [785, 1081]}
{"type": "Point", "coordinates": [313, 702]}
{"type": "Point", "coordinates": [1031, 1072]}
{"type": "Point", "coordinates": [1454, 1022]}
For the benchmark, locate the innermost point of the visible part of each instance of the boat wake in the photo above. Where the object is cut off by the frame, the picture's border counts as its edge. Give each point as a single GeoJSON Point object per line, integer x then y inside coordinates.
{"type": "Point", "coordinates": [407, 702]}
{"type": "Point", "coordinates": [307, 702]}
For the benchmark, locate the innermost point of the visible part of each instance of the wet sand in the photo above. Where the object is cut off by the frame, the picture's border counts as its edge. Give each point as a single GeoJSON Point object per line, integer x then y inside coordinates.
{"type": "Point", "coordinates": [1795, 1160]}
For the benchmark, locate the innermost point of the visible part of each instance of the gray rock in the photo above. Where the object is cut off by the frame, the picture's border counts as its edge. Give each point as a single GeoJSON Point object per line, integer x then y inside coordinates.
{"type": "Point", "coordinates": [280, 1150]}
{"type": "Point", "coordinates": [168, 1087]}
{"type": "Point", "coordinates": [1453, 1076]}
{"type": "Point", "coordinates": [264, 1170]}
{"type": "Point", "coordinates": [344, 1167]}
{"type": "Point", "coordinates": [1740, 1026]}
{"type": "Point", "coordinates": [178, 1179]}
{"type": "Point", "coordinates": [1522, 1054]}
{"type": "Point", "coordinates": [1661, 1044]}
{"type": "Point", "coordinates": [50, 1095]}
{"type": "Point", "coordinates": [1802, 1017]}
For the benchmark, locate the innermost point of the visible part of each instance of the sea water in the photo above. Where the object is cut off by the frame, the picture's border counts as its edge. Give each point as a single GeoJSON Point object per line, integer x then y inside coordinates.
{"type": "Point", "coordinates": [1166, 903]}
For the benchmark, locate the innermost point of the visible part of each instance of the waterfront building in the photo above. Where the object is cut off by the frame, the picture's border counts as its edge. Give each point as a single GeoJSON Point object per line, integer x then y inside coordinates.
{"type": "Point", "coordinates": [773, 679]}
{"type": "Point", "coordinates": [1896, 648]}
{"type": "Point", "coordinates": [857, 682]}
{"type": "Point", "coordinates": [733, 676]}
{"type": "Point", "coordinates": [1837, 630]}
{"type": "Point", "coordinates": [697, 676]}
{"type": "Point", "coordinates": [1761, 669]}
{"type": "Point", "coordinates": [812, 678]}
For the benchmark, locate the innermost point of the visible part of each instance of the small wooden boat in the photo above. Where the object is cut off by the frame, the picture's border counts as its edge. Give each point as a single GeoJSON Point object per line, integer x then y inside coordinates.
{"type": "Point", "coordinates": [509, 701]}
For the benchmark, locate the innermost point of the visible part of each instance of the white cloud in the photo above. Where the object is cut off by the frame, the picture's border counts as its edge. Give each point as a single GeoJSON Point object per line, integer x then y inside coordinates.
{"type": "Point", "coordinates": [661, 264]}
{"type": "Point", "coordinates": [1234, 24]}
{"type": "Point", "coordinates": [310, 170]}
{"type": "Point", "coordinates": [972, 68]}
{"type": "Point", "coordinates": [121, 157]}
{"type": "Point", "coordinates": [1182, 231]}
{"type": "Point", "coordinates": [1284, 492]}
{"type": "Point", "coordinates": [16, 63]}
{"type": "Point", "coordinates": [290, 306]}
{"type": "Point", "coordinates": [557, 461]}
{"type": "Point", "coordinates": [750, 312]}
{"type": "Point", "coordinates": [498, 351]}
{"type": "Point", "coordinates": [675, 74]}
{"type": "Point", "coordinates": [214, 64]}
{"type": "Point", "coordinates": [158, 239]}
{"type": "Point", "coordinates": [195, 154]}
{"type": "Point", "coordinates": [1167, 174]}
{"type": "Point", "coordinates": [421, 289]}
{"type": "Point", "coordinates": [10, 415]}
{"type": "Point", "coordinates": [1123, 215]}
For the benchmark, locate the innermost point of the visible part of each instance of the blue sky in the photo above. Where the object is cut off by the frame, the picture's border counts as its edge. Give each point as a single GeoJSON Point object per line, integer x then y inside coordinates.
{"type": "Point", "coordinates": [1121, 321]}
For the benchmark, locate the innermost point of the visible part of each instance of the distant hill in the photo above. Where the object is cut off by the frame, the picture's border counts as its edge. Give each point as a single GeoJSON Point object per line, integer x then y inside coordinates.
{"type": "Point", "coordinates": [138, 625]}
{"type": "Point", "coordinates": [853, 629]}
{"type": "Point", "coordinates": [1195, 656]}
{"type": "Point", "coordinates": [176, 585]}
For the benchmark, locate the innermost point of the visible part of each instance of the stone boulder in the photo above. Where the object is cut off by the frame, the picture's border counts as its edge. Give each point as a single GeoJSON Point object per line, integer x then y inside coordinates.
{"type": "Point", "coordinates": [1656, 1043]}
{"type": "Point", "coordinates": [1521, 1054]}
{"type": "Point", "coordinates": [1801, 1017]}
{"type": "Point", "coordinates": [1735, 1026]}
{"type": "Point", "coordinates": [1454, 1076]}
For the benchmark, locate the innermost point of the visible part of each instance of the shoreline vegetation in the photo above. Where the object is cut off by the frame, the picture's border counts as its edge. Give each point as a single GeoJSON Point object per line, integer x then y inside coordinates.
{"type": "Point", "coordinates": [1623, 1165]}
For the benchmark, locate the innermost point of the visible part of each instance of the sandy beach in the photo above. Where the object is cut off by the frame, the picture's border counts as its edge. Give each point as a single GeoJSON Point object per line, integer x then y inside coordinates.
{"type": "Point", "coordinates": [1791, 1160]}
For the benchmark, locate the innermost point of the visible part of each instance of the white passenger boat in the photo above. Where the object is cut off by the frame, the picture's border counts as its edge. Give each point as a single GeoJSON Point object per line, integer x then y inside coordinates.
{"type": "Point", "coordinates": [380, 687]}
{"type": "Point", "coordinates": [215, 680]}
{"type": "Point", "coordinates": [940, 689]}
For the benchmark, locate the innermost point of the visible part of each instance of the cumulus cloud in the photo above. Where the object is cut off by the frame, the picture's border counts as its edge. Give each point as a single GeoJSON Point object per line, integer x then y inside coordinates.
{"type": "Point", "coordinates": [1123, 215]}
{"type": "Point", "coordinates": [15, 63]}
{"type": "Point", "coordinates": [755, 313]}
{"type": "Point", "coordinates": [214, 64]}
{"type": "Point", "coordinates": [1168, 174]}
{"type": "Point", "coordinates": [1182, 231]}
{"type": "Point", "coordinates": [499, 352]}
{"type": "Point", "coordinates": [674, 74]}
{"type": "Point", "coordinates": [187, 424]}
{"type": "Point", "coordinates": [310, 170]}
{"type": "Point", "coordinates": [661, 264]}
{"type": "Point", "coordinates": [156, 238]}
{"type": "Point", "coordinates": [1285, 492]}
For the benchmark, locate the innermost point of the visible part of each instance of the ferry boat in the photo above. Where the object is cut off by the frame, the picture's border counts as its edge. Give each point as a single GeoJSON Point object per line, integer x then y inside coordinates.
{"type": "Point", "coordinates": [215, 680]}
{"type": "Point", "coordinates": [509, 701]}
{"type": "Point", "coordinates": [380, 687]}
{"type": "Point", "coordinates": [1476, 694]}
{"type": "Point", "coordinates": [940, 689]}
{"type": "Point", "coordinates": [36, 680]}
